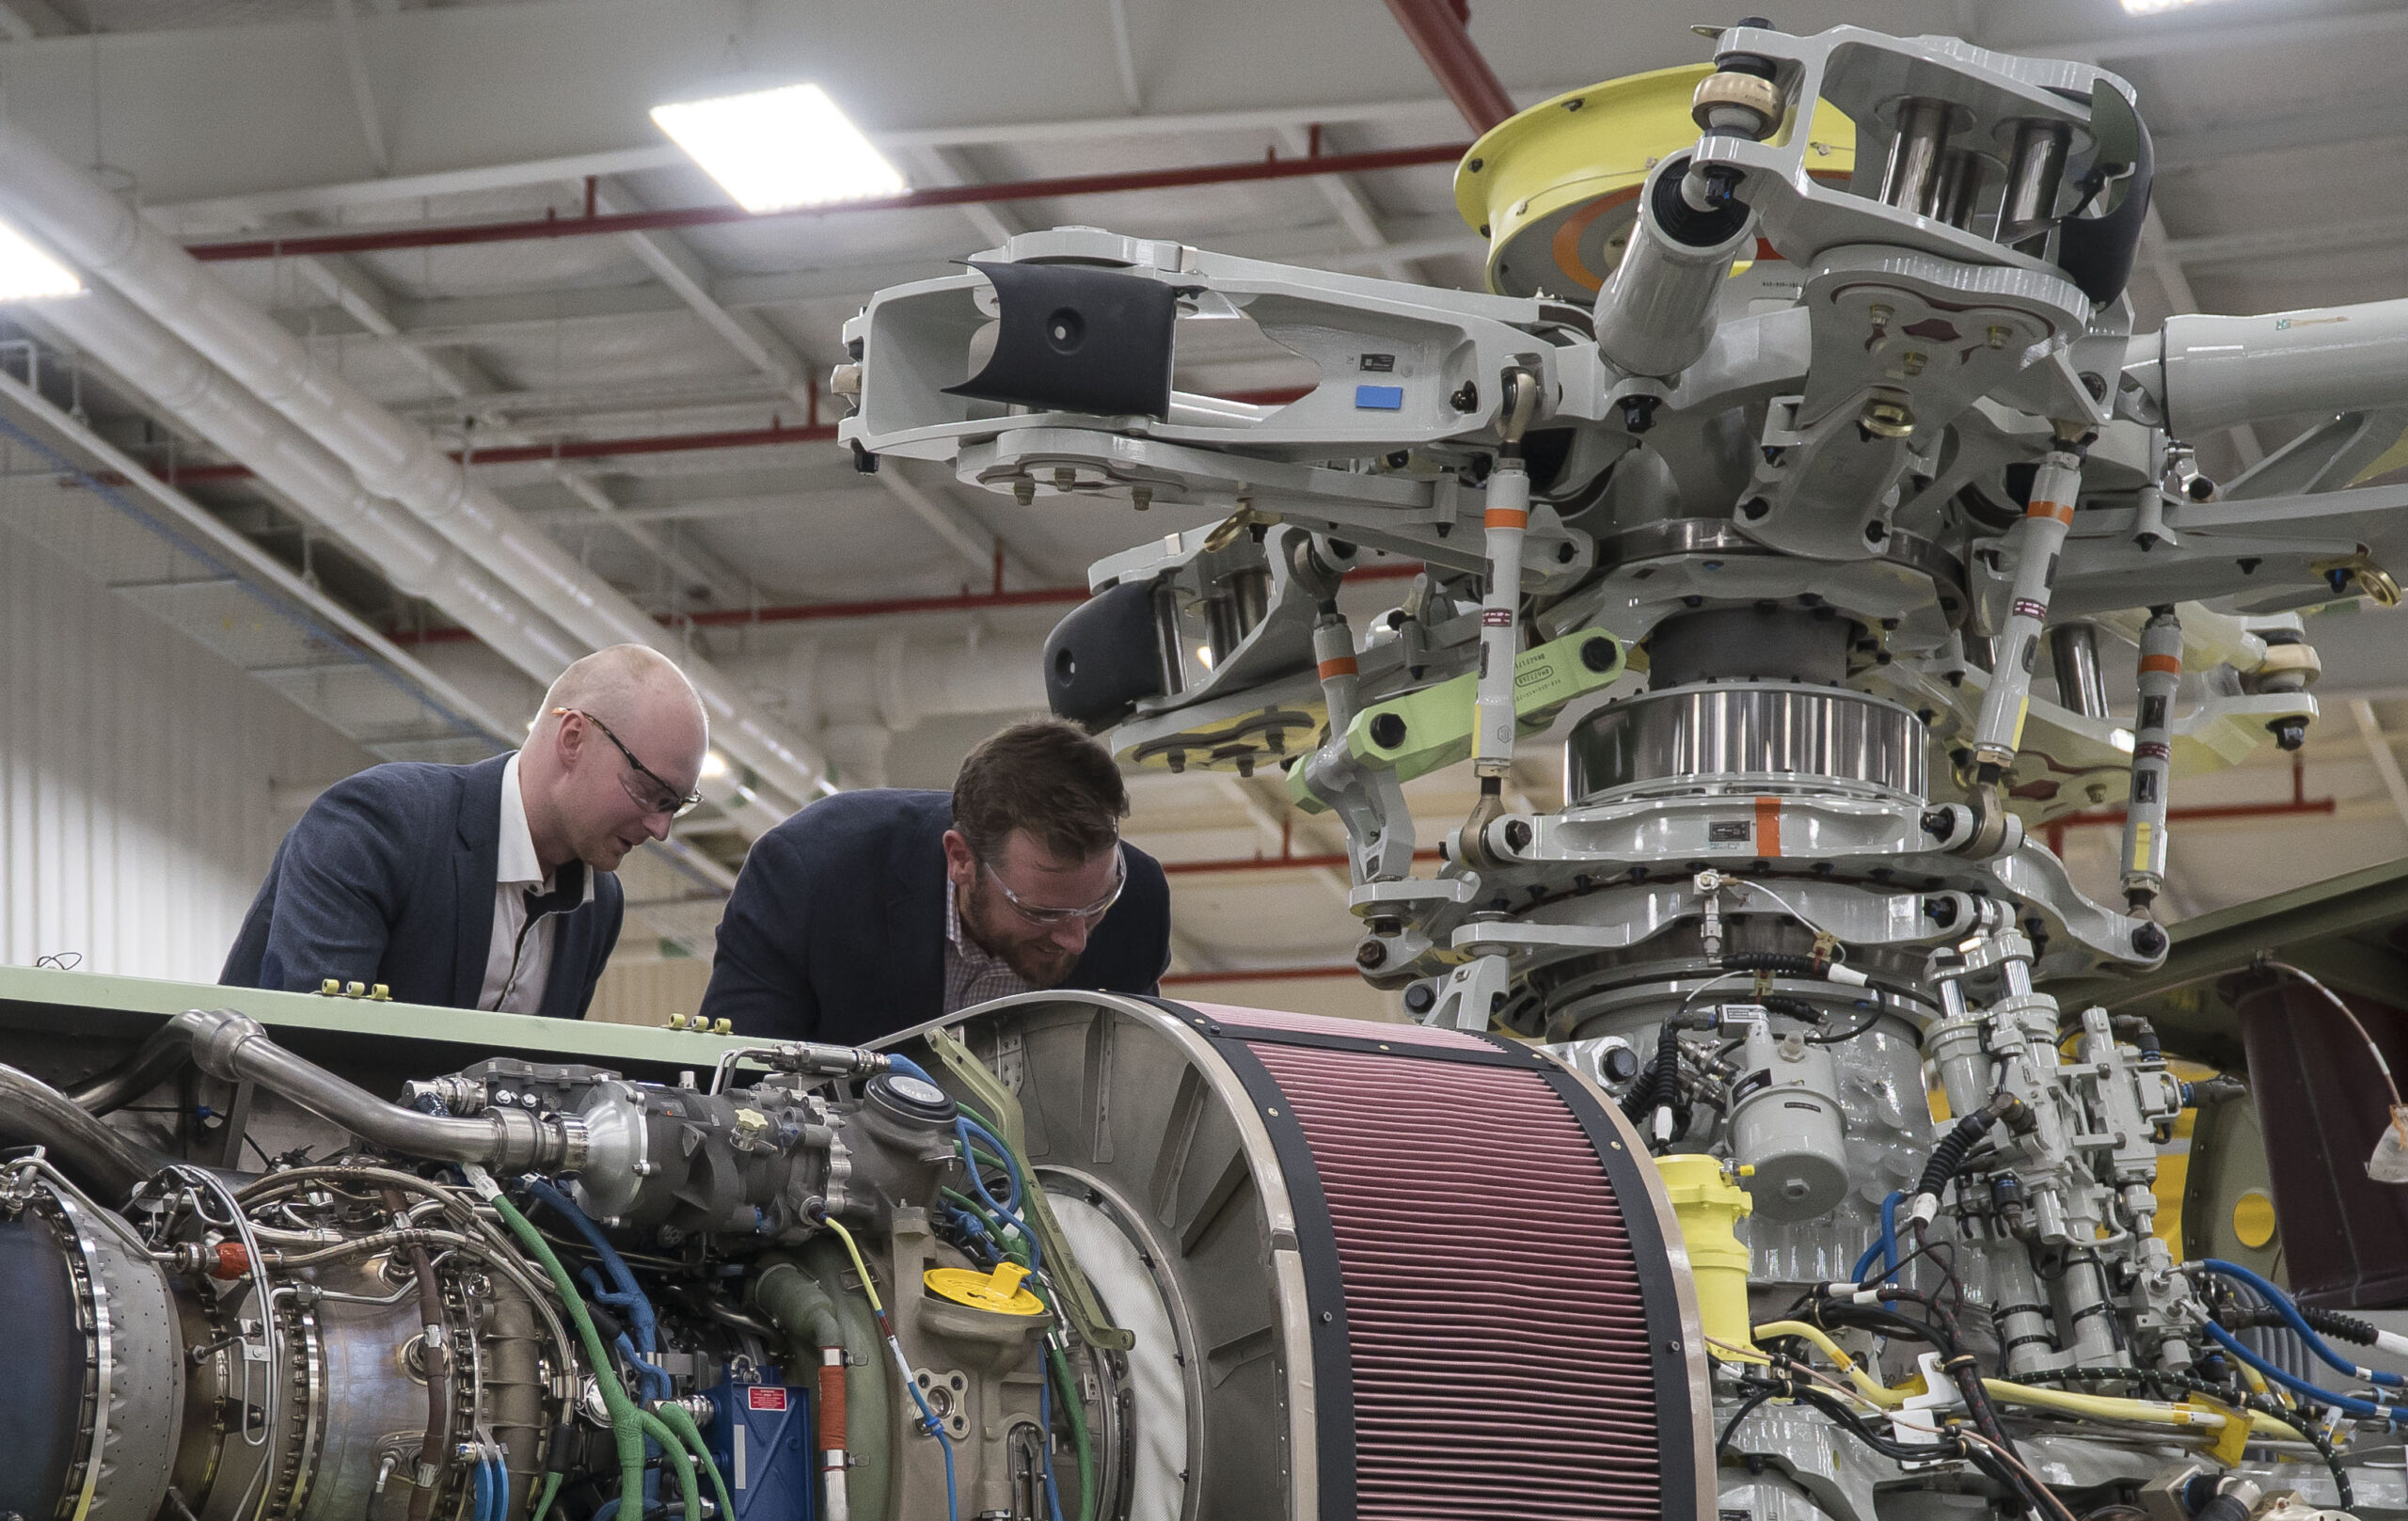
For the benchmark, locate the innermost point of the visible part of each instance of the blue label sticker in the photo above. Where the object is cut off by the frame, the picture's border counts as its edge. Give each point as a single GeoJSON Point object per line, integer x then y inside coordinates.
{"type": "Point", "coordinates": [1378, 398]}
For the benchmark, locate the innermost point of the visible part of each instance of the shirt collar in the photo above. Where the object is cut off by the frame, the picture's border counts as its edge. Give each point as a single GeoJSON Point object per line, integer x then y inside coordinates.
{"type": "Point", "coordinates": [514, 862]}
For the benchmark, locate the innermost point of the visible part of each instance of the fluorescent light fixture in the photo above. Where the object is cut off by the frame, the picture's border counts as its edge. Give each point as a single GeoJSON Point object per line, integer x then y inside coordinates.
{"type": "Point", "coordinates": [774, 149]}
{"type": "Point", "coordinates": [2159, 8]}
{"type": "Point", "coordinates": [26, 272]}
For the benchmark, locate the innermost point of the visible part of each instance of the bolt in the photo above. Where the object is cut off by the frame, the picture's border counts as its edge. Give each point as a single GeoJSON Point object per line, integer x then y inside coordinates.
{"type": "Point", "coordinates": [1065, 478]}
{"type": "Point", "coordinates": [1371, 955]}
{"type": "Point", "coordinates": [1466, 399]}
{"type": "Point", "coordinates": [1420, 997]}
{"type": "Point", "coordinates": [1998, 337]}
{"type": "Point", "coordinates": [1911, 364]}
{"type": "Point", "coordinates": [1024, 490]}
{"type": "Point", "coordinates": [1387, 731]}
{"type": "Point", "coordinates": [1887, 418]}
{"type": "Point", "coordinates": [1141, 498]}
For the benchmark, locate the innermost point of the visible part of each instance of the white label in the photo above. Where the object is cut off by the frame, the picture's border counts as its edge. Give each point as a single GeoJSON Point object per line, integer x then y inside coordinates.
{"type": "Point", "coordinates": [743, 1479]}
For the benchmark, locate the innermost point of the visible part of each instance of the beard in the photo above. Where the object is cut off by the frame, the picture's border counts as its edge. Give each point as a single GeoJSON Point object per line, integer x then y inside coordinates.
{"type": "Point", "coordinates": [1038, 962]}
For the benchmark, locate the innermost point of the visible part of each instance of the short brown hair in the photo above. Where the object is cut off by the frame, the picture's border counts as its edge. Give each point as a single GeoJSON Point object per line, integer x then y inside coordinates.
{"type": "Point", "coordinates": [1045, 777]}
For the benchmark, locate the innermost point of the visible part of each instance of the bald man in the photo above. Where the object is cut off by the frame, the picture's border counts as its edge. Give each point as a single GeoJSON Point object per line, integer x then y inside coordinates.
{"type": "Point", "coordinates": [485, 886]}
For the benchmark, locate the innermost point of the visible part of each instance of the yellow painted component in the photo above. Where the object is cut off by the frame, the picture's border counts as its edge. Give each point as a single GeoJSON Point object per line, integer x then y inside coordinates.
{"type": "Point", "coordinates": [999, 1290]}
{"type": "Point", "coordinates": [1553, 188]}
{"type": "Point", "coordinates": [2253, 1218]}
{"type": "Point", "coordinates": [1708, 1205]}
{"type": "Point", "coordinates": [2174, 1161]}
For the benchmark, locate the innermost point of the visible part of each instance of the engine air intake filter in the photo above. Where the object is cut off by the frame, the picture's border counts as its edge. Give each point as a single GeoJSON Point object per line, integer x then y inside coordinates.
{"type": "Point", "coordinates": [1430, 1270]}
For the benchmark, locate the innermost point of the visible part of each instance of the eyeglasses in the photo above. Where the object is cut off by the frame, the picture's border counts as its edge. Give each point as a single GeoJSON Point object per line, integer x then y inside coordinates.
{"type": "Point", "coordinates": [668, 799]}
{"type": "Point", "coordinates": [1048, 918]}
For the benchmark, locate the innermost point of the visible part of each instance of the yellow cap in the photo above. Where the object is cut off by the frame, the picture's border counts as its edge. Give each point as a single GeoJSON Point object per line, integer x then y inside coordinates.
{"type": "Point", "coordinates": [354, 990]}
{"type": "Point", "coordinates": [331, 988]}
{"type": "Point", "coordinates": [676, 1021]}
{"type": "Point", "coordinates": [723, 1026]}
{"type": "Point", "coordinates": [1555, 188]}
{"type": "Point", "coordinates": [999, 1290]}
{"type": "Point", "coordinates": [381, 994]}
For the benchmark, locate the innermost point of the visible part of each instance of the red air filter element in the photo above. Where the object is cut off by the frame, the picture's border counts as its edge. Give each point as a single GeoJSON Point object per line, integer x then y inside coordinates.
{"type": "Point", "coordinates": [1498, 1329]}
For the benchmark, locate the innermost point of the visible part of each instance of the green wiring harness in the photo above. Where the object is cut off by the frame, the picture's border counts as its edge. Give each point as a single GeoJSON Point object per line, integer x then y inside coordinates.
{"type": "Point", "coordinates": [626, 1421]}
{"type": "Point", "coordinates": [1016, 1247]}
{"type": "Point", "coordinates": [674, 1427]}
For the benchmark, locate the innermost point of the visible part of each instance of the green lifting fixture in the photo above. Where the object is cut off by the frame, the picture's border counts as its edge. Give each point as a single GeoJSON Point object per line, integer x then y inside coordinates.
{"type": "Point", "coordinates": [1430, 729]}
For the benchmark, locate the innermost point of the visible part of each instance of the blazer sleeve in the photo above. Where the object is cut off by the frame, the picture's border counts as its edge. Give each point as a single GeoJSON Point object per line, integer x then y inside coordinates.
{"type": "Point", "coordinates": [339, 890]}
{"type": "Point", "coordinates": [761, 978]}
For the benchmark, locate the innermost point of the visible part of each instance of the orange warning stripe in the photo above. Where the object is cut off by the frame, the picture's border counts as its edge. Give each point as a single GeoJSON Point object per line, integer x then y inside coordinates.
{"type": "Point", "coordinates": [1504, 517]}
{"type": "Point", "coordinates": [2061, 511]}
{"type": "Point", "coordinates": [2170, 664]}
{"type": "Point", "coordinates": [1343, 666]}
{"type": "Point", "coordinates": [1767, 826]}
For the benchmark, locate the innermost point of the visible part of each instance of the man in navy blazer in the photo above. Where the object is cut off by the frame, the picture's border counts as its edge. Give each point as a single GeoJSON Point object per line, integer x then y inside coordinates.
{"type": "Point", "coordinates": [486, 886]}
{"type": "Point", "coordinates": [869, 912]}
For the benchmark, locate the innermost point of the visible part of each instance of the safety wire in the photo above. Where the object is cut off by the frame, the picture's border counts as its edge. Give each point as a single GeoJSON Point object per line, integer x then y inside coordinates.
{"type": "Point", "coordinates": [928, 1421]}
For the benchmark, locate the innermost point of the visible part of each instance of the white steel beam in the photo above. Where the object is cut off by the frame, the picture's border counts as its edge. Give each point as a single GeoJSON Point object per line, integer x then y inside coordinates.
{"type": "Point", "coordinates": [695, 564]}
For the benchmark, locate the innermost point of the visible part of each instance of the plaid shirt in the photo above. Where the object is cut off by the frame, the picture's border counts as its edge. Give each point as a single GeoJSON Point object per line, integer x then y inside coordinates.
{"type": "Point", "coordinates": [972, 973]}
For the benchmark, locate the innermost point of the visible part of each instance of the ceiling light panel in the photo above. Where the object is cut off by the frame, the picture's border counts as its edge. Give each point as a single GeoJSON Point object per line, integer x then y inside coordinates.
{"type": "Point", "coordinates": [775, 149]}
{"type": "Point", "coordinates": [26, 272]}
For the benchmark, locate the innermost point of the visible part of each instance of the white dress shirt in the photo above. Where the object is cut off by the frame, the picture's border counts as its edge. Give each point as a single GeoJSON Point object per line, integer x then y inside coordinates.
{"type": "Point", "coordinates": [516, 973]}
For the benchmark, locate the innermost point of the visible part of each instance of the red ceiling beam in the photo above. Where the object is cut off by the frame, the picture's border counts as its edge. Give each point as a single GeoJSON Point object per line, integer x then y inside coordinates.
{"type": "Point", "coordinates": [1437, 29]}
{"type": "Point", "coordinates": [454, 235]}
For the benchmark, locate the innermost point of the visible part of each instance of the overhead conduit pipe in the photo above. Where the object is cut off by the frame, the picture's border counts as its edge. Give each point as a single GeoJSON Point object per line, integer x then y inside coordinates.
{"type": "Point", "coordinates": [417, 560]}
{"type": "Point", "coordinates": [387, 455]}
{"type": "Point", "coordinates": [411, 555]}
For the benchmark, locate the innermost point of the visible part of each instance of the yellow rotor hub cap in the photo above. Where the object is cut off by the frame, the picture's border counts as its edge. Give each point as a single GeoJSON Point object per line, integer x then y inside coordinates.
{"type": "Point", "coordinates": [1554, 188]}
{"type": "Point", "coordinates": [999, 1290]}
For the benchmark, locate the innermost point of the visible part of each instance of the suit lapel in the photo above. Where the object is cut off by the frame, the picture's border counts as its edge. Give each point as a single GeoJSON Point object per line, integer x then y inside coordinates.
{"type": "Point", "coordinates": [476, 856]}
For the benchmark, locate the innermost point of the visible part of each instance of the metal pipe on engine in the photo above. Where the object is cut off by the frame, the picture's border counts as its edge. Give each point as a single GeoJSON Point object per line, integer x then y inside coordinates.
{"type": "Point", "coordinates": [232, 1046]}
{"type": "Point", "coordinates": [2160, 673]}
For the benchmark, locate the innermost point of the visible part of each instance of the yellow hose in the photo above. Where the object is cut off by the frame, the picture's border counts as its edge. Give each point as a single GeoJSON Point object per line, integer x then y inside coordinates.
{"type": "Point", "coordinates": [1866, 1385]}
{"type": "Point", "coordinates": [2149, 1411]}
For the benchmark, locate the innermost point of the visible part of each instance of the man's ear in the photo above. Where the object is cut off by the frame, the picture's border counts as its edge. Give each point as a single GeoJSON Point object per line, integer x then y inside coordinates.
{"type": "Point", "coordinates": [960, 862]}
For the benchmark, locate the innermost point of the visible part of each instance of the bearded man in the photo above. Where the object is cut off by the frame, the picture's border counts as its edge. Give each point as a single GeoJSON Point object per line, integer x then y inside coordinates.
{"type": "Point", "coordinates": [872, 911]}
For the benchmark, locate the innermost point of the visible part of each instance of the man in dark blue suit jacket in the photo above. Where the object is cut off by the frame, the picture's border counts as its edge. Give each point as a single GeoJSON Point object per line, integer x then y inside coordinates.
{"type": "Point", "coordinates": [484, 886]}
{"type": "Point", "coordinates": [869, 912]}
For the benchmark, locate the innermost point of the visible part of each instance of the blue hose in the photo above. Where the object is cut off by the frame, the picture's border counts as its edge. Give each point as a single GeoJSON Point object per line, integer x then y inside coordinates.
{"type": "Point", "coordinates": [966, 1130]}
{"type": "Point", "coordinates": [2298, 1386]}
{"type": "Point", "coordinates": [906, 1066]}
{"type": "Point", "coordinates": [638, 1309]}
{"type": "Point", "coordinates": [935, 1427]}
{"type": "Point", "coordinates": [483, 1479]}
{"type": "Point", "coordinates": [2298, 1323]}
{"type": "Point", "coordinates": [1885, 1247]}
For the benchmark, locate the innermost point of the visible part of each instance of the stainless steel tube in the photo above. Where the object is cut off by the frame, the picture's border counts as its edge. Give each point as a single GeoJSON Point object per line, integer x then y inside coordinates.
{"type": "Point", "coordinates": [232, 1046]}
{"type": "Point", "coordinates": [2073, 652]}
{"type": "Point", "coordinates": [2032, 176]}
{"type": "Point", "coordinates": [1960, 182]}
{"type": "Point", "coordinates": [32, 1113]}
{"type": "Point", "coordinates": [1911, 181]}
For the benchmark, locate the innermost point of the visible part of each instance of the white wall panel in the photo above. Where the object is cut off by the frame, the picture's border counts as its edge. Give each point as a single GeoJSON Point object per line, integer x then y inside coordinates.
{"type": "Point", "coordinates": [135, 774]}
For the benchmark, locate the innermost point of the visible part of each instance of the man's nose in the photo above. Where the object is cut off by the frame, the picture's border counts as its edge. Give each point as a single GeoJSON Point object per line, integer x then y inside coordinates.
{"type": "Point", "coordinates": [657, 824]}
{"type": "Point", "coordinates": [1071, 935]}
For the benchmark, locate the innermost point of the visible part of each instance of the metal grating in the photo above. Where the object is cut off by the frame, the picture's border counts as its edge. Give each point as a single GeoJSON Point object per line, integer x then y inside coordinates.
{"type": "Point", "coordinates": [1497, 1327]}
